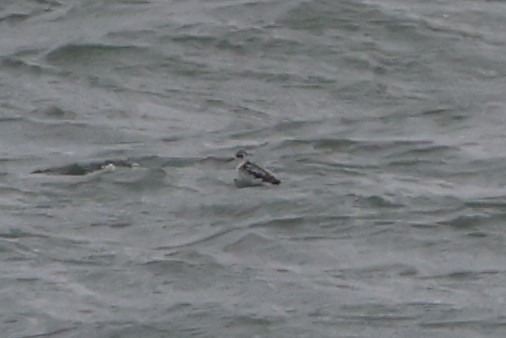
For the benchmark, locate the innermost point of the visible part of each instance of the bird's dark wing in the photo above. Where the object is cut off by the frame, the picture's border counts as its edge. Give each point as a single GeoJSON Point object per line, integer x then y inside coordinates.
{"type": "Point", "coordinates": [260, 173]}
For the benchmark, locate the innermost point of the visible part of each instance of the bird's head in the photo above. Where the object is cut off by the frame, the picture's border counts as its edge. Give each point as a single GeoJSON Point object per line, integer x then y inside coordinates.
{"type": "Point", "coordinates": [241, 154]}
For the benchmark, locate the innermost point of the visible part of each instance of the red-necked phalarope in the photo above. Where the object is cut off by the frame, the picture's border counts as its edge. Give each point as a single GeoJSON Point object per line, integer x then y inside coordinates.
{"type": "Point", "coordinates": [250, 174]}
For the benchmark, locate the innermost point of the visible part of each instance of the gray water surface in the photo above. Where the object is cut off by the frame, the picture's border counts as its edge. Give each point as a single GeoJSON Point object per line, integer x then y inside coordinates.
{"type": "Point", "coordinates": [383, 119]}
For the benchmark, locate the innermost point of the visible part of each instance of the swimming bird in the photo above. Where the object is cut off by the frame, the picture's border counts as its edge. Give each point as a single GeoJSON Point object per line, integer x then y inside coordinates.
{"type": "Point", "coordinates": [250, 174]}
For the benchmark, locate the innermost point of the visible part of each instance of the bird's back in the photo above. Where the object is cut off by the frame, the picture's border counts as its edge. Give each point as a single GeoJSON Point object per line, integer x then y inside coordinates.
{"type": "Point", "coordinates": [251, 170]}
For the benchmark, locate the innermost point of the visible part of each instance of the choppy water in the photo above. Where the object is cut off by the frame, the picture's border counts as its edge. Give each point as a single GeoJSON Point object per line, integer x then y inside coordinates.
{"type": "Point", "coordinates": [384, 120]}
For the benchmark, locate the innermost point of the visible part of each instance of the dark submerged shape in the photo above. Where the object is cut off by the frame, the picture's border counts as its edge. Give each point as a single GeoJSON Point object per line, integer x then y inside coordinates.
{"type": "Point", "coordinates": [80, 169]}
